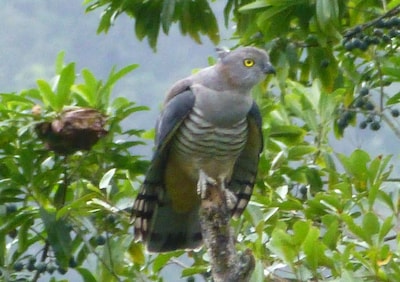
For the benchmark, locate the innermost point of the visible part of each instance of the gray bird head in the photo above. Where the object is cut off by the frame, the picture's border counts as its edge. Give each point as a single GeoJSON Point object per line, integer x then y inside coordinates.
{"type": "Point", "coordinates": [245, 67]}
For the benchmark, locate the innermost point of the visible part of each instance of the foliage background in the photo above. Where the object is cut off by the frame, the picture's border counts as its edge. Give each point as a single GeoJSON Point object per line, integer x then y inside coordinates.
{"type": "Point", "coordinates": [326, 204]}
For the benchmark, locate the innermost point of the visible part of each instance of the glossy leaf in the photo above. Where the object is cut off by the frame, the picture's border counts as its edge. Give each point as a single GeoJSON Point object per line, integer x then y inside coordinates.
{"type": "Point", "coordinates": [86, 275]}
{"type": "Point", "coordinates": [65, 81]}
{"type": "Point", "coordinates": [47, 94]}
{"type": "Point", "coordinates": [57, 235]}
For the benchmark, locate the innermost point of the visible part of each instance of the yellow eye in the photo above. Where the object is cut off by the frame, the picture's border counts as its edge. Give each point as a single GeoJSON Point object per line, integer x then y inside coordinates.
{"type": "Point", "coordinates": [248, 62]}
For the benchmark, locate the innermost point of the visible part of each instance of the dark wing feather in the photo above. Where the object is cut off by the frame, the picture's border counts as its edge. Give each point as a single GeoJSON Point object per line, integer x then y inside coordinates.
{"type": "Point", "coordinates": [152, 189]}
{"type": "Point", "coordinates": [245, 170]}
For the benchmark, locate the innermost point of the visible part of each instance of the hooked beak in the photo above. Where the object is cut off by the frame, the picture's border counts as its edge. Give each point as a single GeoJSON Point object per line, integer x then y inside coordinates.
{"type": "Point", "coordinates": [269, 69]}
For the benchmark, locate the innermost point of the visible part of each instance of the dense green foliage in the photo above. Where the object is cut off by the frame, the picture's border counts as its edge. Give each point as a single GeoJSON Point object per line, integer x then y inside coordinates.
{"type": "Point", "coordinates": [315, 214]}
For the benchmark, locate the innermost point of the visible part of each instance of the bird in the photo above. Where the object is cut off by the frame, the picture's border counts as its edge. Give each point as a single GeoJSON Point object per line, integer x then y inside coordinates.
{"type": "Point", "coordinates": [209, 130]}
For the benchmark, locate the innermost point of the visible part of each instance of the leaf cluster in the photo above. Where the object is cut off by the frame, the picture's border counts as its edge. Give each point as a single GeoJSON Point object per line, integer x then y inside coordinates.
{"type": "Point", "coordinates": [195, 18]}
{"type": "Point", "coordinates": [58, 211]}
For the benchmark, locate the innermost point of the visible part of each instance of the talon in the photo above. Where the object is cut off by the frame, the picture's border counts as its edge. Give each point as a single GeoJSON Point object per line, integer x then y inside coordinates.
{"type": "Point", "coordinates": [231, 199]}
{"type": "Point", "coordinates": [202, 184]}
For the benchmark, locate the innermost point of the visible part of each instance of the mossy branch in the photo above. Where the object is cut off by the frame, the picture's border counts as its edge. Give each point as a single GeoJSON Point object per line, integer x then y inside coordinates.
{"type": "Point", "coordinates": [226, 263]}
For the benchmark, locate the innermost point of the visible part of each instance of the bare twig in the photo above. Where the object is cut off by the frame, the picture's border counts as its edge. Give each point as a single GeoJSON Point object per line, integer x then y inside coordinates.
{"type": "Point", "coordinates": [226, 263]}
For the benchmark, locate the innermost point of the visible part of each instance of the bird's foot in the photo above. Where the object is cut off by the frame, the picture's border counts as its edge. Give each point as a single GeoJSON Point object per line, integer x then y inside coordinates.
{"type": "Point", "coordinates": [205, 182]}
{"type": "Point", "coordinates": [231, 199]}
{"type": "Point", "coordinates": [202, 184]}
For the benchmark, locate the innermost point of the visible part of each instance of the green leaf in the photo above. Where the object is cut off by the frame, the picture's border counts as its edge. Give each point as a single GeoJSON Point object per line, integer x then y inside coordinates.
{"type": "Point", "coordinates": [23, 235]}
{"type": "Point", "coordinates": [391, 71]}
{"type": "Point", "coordinates": [60, 62]}
{"type": "Point", "coordinates": [254, 5]}
{"type": "Point", "coordinates": [167, 13]}
{"type": "Point", "coordinates": [105, 20]}
{"type": "Point", "coordinates": [193, 270]}
{"type": "Point", "coordinates": [13, 97]}
{"type": "Point", "coordinates": [371, 223]}
{"type": "Point", "coordinates": [113, 77]}
{"type": "Point", "coordinates": [162, 259]}
{"type": "Point", "coordinates": [332, 233]}
{"type": "Point", "coordinates": [2, 248]}
{"type": "Point", "coordinates": [58, 236]}
{"type": "Point", "coordinates": [288, 133]}
{"type": "Point", "coordinates": [282, 245]}
{"type": "Point", "coordinates": [300, 231]}
{"type": "Point", "coordinates": [298, 152]}
{"type": "Point", "coordinates": [88, 91]}
{"type": "Point", "coordinates": [313, 248]}
{"type": "Point", "coordinates": [327, 13]}
{"type": "Point", "coordinates": [66, 79]}
{"type": "Point", "coordinates": [86, 274]}
{"type": "Point", "coordinates": [395, 99]}
{"type": "Point", "coordinates": [136, 252]}
{"type": "Point", "coordinates": [17, 220]}
{"type": "Point", "coordinates": [386, 227]}
{"type": "Point", "coordinates": [361, 233]}
{"type": "Point", "coordinates": [258, 273]}
{"type": "Point", "coordinates": [47, 94]}
{"type": "Point", "coordinates": [356, 164]}
{"type": "Point", "coordinates": [106, 179]}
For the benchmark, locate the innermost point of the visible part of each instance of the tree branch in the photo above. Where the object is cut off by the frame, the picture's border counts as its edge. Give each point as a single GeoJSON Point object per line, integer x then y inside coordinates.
{"type": "Point", "coordinates": [226, 263]}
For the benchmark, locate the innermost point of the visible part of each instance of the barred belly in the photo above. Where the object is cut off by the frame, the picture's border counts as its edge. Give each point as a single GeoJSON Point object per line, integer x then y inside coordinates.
{"type": "Point", "coordinates": [199, 144]}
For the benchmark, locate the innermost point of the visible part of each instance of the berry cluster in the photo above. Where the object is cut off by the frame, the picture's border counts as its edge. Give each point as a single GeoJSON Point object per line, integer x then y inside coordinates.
{"type": "Point", "coordinates": [31, 264]}
{"type": "Point", "coordinates": [380, 31]}
{"type": "Point", "coordinates": [362, 104]}
{"type": "Point", "coordinates": [50, 265]}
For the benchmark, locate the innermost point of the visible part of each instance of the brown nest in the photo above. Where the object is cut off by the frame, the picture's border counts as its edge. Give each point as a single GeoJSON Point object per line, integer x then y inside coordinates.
{"type": "Point", "coordinates": [73, 130]}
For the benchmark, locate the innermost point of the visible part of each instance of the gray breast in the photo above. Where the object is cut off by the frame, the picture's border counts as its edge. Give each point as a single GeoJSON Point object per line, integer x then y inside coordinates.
{"type": "Point", "coordinates": [198, 138]}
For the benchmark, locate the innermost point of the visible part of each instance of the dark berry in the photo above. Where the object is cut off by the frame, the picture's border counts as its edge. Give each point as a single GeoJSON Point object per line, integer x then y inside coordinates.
{"type": "Point", "coordinates": [303, 189]}
{"type": "Point", "coordinates": [324, 63]}
{"type": "Point", "coordinates": [61, 270]}
{"type": "Point", "coordinates": [363, 124]}
{"type": "Point", "coordinates": [378, 32]}
{"type": "Point", "coordinates": [372, 40]}
{"type": "Point", "coordinates": [72, 262]}
{"type": "Point", "coordinates": [369, 106]}
{"type": "Point", "coordinates": [359, 103]}
{"type": "Point", "coordinates": [363, 46]}
{"type": "Point", "coordinates": [51, 268]}
{"type": "Point", "coordinates": [100, 240]}
{"type": "Point", "coordinates": [13, 233]}
{"type": "Point", "coordinates": [349, 45]}
{"type": "Point", "coordinates": [386, 39]}
{"type": "Point", "coordinates": [41, 267]}
{"type": "Point", "coordinates": [364, 91]}
{"type": "Point", "coordinates": [370, 118]}
{"type": "Point", "coordinates": [375, 125]}
{"type": "Point", "coordinates": [380, 23]}
{"type": "Point", "coordinates": [18, 266]}
{"type": "Point", "coordinates": [30, 267]}
{"type": "Point", "coordinates": [343, 123]}
{"type": "Point", "coordinates": [393, 22]}
{"type": "Point", "coordinates": [348, 115]}
{"type": "Point", "coordinates": [393, 33]}
{"type": "Point", "coordinates": [357, 43]}
{"type": "Point", "coordinates": [395, 112]}
{"type": "Point", "coordinates": [110, 218]}
{"type": "Point", "coordinates": [11, 208]}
